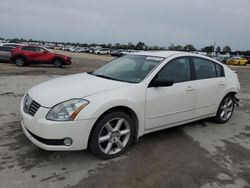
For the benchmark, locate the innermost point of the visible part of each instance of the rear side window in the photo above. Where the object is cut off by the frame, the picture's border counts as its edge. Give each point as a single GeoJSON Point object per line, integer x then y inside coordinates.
{"type": "Point", "coordinates": [28, 48]}
{"type": "Point", "coordinates": [177, 70]}
{"type": "Point", "coordinates": [203, 68]}
{"type": "Point", "coordinates": [219, 70]}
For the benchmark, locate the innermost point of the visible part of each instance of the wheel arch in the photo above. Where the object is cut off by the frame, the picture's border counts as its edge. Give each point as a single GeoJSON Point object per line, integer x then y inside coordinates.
{"type": "Point", "coordinates": [57, 58]}
{"type": "Point", "coordinates": [121, 108]}
{"type": "Point", "coordinates": [19, 56]}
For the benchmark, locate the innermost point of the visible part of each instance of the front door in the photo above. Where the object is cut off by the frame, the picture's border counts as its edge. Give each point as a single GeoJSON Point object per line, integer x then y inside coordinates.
{"type": "Point", "coordinates": [172, 104]}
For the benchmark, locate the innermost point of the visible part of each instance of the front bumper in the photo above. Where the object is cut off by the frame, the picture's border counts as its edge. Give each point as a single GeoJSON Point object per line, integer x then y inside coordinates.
{"type": "Point", "coordinates": [49, 135]}
{"type": "Point", "coordinates": [68, 62]}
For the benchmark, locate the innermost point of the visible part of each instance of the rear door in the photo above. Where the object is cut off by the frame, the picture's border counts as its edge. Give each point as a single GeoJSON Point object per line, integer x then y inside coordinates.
{"type": "Point", "coordinates": [209, 84]}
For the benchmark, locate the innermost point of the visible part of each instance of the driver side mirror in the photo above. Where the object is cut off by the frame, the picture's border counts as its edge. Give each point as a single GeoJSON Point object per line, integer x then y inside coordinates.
{"type": "Point", "coordinates": [161, 83]}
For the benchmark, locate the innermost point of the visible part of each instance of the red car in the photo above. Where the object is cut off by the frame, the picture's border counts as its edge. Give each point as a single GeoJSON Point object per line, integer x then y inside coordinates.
{"type": "Point", "coordinates": [248, 59]}
{"type": "Point", "coordinates": [24, 55]}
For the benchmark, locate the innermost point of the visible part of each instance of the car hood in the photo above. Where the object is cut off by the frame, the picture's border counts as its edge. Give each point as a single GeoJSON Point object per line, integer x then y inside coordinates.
{"type": "Point", "coordinates": [74, 86]}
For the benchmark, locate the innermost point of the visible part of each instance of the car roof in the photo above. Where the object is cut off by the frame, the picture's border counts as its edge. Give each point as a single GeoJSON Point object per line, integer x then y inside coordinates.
{"type": "Point", "coordinates": [34, 46]}
{"type": "Point", "coordinates": [166, 54]}
{"type": "Point", "coordinates": [162, 53]}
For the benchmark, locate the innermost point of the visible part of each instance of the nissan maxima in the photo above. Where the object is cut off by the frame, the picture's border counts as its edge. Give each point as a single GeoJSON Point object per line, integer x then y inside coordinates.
{"type": "Point", "coordinates": [109, 108]}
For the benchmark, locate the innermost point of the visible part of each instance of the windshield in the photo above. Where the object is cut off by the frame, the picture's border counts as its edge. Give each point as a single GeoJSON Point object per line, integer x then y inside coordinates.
{"type": "Point", "coordinates": [129, 68]}
{"type": "Point", "coordinates": [46, 49]}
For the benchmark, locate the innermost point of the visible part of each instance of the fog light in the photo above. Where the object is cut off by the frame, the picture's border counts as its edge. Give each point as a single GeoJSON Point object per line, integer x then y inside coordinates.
{"type": "Point", "coordinates": [67, 141]}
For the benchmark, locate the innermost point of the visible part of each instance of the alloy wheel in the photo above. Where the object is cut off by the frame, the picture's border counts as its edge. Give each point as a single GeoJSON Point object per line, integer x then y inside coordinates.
{"type": "Point", "coordinates": [226, 108]}
{"type": "Point", "coordinates": [114, 136]}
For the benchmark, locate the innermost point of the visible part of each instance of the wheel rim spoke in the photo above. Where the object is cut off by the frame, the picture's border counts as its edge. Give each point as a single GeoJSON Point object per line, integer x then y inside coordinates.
{"type": "Point", "coordinates": [229, 103]}
{"type": "Point", "coordinates": [109, 127]}
{"type": "Point", "coordinates": [104, 138]}
{"type": "Point", "coordinates": [118, 125]}
{"type": "Point", "coordinates": [108, 148]}
{"type": "Point", "coordinates": [125, 132]}
{"type": "Point", "coordinates": [222, 113]}
{"type": "Point", "coordinates": [119, 144]}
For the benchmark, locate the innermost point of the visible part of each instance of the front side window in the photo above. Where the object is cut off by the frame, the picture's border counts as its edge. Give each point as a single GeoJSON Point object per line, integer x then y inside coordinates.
{"type": "Point", "coordinates": [177, 70]}
{"type": "Point", "coordinates": [203, 68]}
{"type": "Point", "coordinates": [129, 68]}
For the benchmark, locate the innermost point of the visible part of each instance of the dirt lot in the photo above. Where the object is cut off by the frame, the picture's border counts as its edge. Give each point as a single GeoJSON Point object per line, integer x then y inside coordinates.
{"type": "Point", "coordinates": [200, 154]}
{"type": "Point", "coordinates": [82, 62]}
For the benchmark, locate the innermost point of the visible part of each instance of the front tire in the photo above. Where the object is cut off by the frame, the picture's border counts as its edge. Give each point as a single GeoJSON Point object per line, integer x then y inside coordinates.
{"type": "Point", "coordinates": [225, 109]}
{"type": "Point", "coordinates": [112, 135]}
{"type": "Point", "coordinates": [58, 63]}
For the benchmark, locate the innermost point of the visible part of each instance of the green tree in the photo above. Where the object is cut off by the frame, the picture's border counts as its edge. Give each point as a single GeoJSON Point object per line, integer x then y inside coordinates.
{"type": "Point", "coordinates": [130, 45]}
{"type": "Point", "coordinates": [189, 47]}
{"type": "Point", "coordinates": [208, 49]}
{"type": "Point", "coordinates": [218, 49]}
{"type": "Point", "coordinates": [226, 49]}
{"type": "Point", "coordinates": [171, 47]}
{"type": "Point", "coordinates": [140, 46]}
{"type": "Point", "coordinates": [177, 48]}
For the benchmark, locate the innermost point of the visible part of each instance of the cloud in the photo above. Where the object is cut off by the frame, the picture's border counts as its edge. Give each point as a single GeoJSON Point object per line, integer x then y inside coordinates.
{"type": "Point", "coordinates": [158, 22]}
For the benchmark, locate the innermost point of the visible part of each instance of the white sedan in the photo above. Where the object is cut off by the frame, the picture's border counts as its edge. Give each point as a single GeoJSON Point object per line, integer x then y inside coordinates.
{"type": "Point", "coordinates": [106, 110]}
{"type": "Point", "coordinates": [102, 51]}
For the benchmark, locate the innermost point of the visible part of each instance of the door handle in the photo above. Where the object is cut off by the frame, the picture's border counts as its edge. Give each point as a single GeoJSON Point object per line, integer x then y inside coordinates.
{"type": "Point", "coordinates": [189, 88]}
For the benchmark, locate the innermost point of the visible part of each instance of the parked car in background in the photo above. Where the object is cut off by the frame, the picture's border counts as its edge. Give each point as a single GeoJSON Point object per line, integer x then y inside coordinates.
{"type": "Point", "coordinates": [94, 48]}
{"type": "Point", "coordinates": [86, 49]}
{"type": "Point", "coordinates": [247, 58]}
{"type": "Point", "coordinates": [12, 44]}
{"type": "Point", "coordinates": [236, 61]}
{"type": "Point", "coordinates": [25, 55]}
{"type": "Point", "coordinates": [131, 96]}
{"type": "Point", "coordinates": [116, 53]}
{"type": "Point", "coordinates": [124, 52]}
{"type": "Point", "coordinates": [5, 53]}
{"type": "Point", "coordinates": [222, 59]}
{"type": "Point", "coordinates": [102, 51]}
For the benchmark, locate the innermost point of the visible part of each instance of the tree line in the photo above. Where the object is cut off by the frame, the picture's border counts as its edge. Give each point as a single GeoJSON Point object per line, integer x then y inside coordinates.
{"type": "Point", "coordinates": [138, 46]}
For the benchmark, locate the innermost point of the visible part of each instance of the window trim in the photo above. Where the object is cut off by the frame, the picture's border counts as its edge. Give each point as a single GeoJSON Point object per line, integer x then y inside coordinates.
{"type": "Point", "coordinates": [214, 63]}
{"type": "Point", "coordinates": [190, 65]}
{"type": "Point", "coordinates": [222, 70]}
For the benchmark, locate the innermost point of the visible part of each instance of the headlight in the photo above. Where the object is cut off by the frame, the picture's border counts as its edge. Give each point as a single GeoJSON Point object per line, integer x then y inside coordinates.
{"type": "Point", "coordinates": [66, 111]}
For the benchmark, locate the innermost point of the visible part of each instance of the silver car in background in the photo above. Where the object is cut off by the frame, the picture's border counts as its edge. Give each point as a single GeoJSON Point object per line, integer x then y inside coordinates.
{"type": "Point", "coordinates": [5, 53]}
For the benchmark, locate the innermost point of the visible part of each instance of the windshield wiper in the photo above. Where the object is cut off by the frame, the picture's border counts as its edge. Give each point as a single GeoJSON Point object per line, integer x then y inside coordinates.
{"type": "Point", "coordinates": [107, 77]}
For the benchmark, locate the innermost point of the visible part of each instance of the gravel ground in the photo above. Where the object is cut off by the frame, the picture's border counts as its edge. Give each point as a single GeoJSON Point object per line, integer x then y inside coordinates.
{"type": "Point", "coordinates": [199, 154]}
{"type": "Point", "coordinates": [81, 62]}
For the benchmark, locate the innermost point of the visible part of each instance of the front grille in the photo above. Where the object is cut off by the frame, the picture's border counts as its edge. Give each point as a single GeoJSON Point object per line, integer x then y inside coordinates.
{"type": "Point", "coordinates": [30, 106]}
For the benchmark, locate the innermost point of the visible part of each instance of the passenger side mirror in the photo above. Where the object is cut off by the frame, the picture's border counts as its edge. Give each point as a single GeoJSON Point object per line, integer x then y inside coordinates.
{"type": "Point", "coordinates": [161, 83]}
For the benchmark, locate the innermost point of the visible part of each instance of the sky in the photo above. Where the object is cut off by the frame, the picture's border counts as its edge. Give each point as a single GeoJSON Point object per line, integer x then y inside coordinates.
{"type": "Point", "coordinates": [155, 22]}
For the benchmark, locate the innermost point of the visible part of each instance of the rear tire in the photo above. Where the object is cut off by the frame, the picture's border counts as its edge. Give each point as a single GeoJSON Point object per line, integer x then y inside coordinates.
{"type": "Point", "coordinates": [58, 63]}
{"type": "Point", "coordinates": [225, 110]}
{"type": "Point", "coordinates": [112, 135]}
{"type": "Point", "coordinates": [20, 61]}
